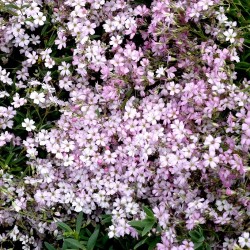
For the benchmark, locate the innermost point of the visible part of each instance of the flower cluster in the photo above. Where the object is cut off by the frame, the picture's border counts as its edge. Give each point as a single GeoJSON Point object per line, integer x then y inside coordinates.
{"type": "Point", "coordinates": [149, 113]}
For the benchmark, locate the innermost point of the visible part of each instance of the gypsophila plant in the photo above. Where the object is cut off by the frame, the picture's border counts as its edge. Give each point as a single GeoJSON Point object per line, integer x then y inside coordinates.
{"type": "Point", "coordinates": [129, 111]}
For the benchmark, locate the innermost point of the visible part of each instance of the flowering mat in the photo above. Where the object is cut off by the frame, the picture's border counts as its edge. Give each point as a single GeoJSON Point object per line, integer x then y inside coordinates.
{"type": "Point", "coordinates": [124, 124]}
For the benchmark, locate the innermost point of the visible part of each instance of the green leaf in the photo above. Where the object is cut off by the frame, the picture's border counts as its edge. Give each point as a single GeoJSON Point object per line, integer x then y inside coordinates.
{"type": "Point", "coordinates": [65, 227]}
{"type": "Point", "coordinates": [143, 226]}
{"type": "Point", "coordinates": [141, 223]}
{"type": "Point", "coordinates": [49, 246]}
{"type": "Point", "coordinates": [28, 19]}
{"type": "Point", "coordinates": [140, 243]}
{"type": "Point", "coordinates": [208, 247]}
{"type": "Point", "coordinates": [63, 59]}
{"type": "Point", "coordinates": [13, 6]}
{"type": "Point", "coordinates": [19, 159]}
{"type": "Point", "coordinates": [75, 243]}
{"type": "Point", "coordinates": [152, 243]}
{"type": "Point", "coordinates": [198, 245]}
{"type": "Point", "coordinates": [246, 56]}
{"type": "Point", "coordinates": [242, 65]}
{"type": "Point", "coordinates": [148, 227]}
{"type": "Point", "coordinates": [98, 112]}
{"type": "Point", "coordinates": [51, 40]}
{"type": "Point", "coordinates": [127, 96]}
{"type": "Point", "coordinates": [200, 231]}
{"type": "Point", "coordinates": [21, 114]}
{"type": "Point", "coordinates": [9, 158]}
{"type": "Point", "coordinates": [201, 239]}
{"type": "Point", "coordinates": [93, 238]}
{"type": "Point", "coordinates": [196, 236]}
{"type": "Point", "coordinates": [148, 212]}
{"type": "Point", "coordinates": [88, 232]}
{"type": "Point", "coordinates": [94, 36]}
{"type": "Point", "coordinates": [79, 222]}
{"type": "Point", "coordinates": [64, 246]}
{"type": "Point", "coordinates": [103, 240]}
{"type": "Point", "coordinates": [137, 223]}
{"type": "Point", "coordinates": [106, 218]}
{"type": "Point", "coordinates": [9, 11]}
{"type": "Point", "coordinates": [45, 27]}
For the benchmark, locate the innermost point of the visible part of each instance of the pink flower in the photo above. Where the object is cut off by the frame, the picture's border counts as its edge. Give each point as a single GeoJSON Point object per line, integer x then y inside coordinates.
{"type": "Point", "coordinates": [211, 160]}
{"type": "Point", "coordinates": [109, 93]}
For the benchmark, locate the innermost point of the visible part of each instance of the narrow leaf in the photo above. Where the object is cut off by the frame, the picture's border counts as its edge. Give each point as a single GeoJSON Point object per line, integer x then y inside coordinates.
{"type": "Point", "coordinates": [13, 6]}
{"type": "Point", "coordinates": [140, 243]}
{"type": "Point", "coordinates": [63, 59]}
{"type": "Point", "coordinates": [141, 223]}
{"type": "Point", "coordinates": [45, 27]}
{"type": "Point", "coordinates": [208, 247]}
{"type": "Point", "coordinates": [135, 223]}
{"type": "Point", "coordinates": [148, 212]}
{"type": "Point", "coordinates": [51, 40]}
{"type": "Point", "coordinates": [65, 227]}
{"type": "Point", "coordinates": [198, 245]}
{"type": "Point", "coordinates": [79, 222]}
{"type": "Point", "coordinates": [9, 158]}
{"type": "Point", "coordinates": [147, 228]}
{"type": "Point", "coordinates": [49, 246]}
{"type": "Point", "coordinates": [93, 238]}
{"type": "Point", "coordinates": [106, 218]}
{"type": "Point", "coordinates": [75, 243]}
{"type": "Point", "coordinates": [152, 243]}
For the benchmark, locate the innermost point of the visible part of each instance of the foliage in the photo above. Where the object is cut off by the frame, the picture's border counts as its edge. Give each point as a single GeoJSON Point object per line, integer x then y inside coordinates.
{"type": "Point", "coordinates": [132, 116]}
{"type": "Point", "coordinates": [239, 11]}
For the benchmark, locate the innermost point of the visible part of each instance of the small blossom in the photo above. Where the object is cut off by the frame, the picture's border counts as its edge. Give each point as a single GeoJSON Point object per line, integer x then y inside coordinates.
{"type": "Point", "coordinates": [37, 97]}
{"type": "Point", "coordinates": [230, 35]}
{"type": "Point", "coordinates": [39, 18]}
{"type": "Point", "coordinates": [244, 240]}
{"type": "Point", "coordinates": [115, 41]}
{"type": "Point", "coordinates": [64, 69]}
{"type": "Point", "coordinates": [28, 124]}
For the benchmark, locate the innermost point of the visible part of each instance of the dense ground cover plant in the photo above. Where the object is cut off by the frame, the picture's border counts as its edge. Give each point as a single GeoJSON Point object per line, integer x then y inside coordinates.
{"type": "Point", "coordinates": [108, 106]}
{"type": "Point", "coordinates": [239, 11]}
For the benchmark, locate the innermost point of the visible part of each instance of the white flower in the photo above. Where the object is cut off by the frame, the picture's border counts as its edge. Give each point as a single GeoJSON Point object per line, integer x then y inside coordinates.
{"type": "Point", "coordinates": [115, 41]}
{"type": "Point", "coordinates": [244, 240]}
{"type": "Point", "coordinates": [228, 244]}
{"type": "Point", "coordinates": [109, 26]}
{"type": "Point", "coordinates": [28, 124]}
{"type": "Point", "coordinates": [212, 143]}
{"type": "Point", "coordinates": [45, 53]}
{"type": "Point", "coordinates": [173, 88]}
{"type": "Point", "coordinates": [211, 160]}
{"type": "Point", "coordinates": [68, 160]}
{"type": "Point", "coordinates": [17, 101]}
{"type": "Point", "coordinates": [160, 72]}
{"type": "Point", "coordinates": [230, 35]}
{"type": "Point", "coordinates": [39, 18]}
{"type": "Point", "coordinates": [112, 231]}
{"type": "Point", "coordinates": [78, 204]}
{"type": "Point", "coordinates": [32, 153]}
{"type": "Point", "coordinates": [130, 113]}
{"type": "Point", "coordinates": [64, 68]}
{"type": "Point", "coordinates": [37, 97]}
{"type": "Point", "coordinates": [110, 157]}
{"type": "Point", "coordinates": [23, 40]}
{"type": "Point", "coordinates": [14, 233]}
{"type": "Point", "coordinates": [18, 204]}
{"type": "Point", "coordinates": [32, 57]}
{"type": "Point", "coordinates": [49, 62]}
{"type": "Point", "coordinates": [204, 4]}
